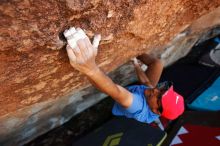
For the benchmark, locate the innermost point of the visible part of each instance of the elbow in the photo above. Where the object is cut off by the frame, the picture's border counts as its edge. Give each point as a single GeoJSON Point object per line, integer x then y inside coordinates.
{"type": "Point", "coordinates": [118, 92]}
{"type": "Point", "coordinates": [158, 62]}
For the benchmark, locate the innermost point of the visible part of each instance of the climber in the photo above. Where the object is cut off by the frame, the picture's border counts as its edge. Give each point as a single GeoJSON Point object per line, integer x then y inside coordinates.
{"type": "Point", "coordinates": [146, 102]}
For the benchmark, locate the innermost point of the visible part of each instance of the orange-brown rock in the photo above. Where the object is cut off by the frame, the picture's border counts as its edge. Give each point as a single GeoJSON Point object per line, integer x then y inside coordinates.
{"type": "Point", "coordinates": [34, 69]}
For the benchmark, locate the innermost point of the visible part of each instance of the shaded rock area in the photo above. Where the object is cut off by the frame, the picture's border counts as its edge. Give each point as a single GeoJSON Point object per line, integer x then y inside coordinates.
{"type": "Point", "coordinates": [39, 89]}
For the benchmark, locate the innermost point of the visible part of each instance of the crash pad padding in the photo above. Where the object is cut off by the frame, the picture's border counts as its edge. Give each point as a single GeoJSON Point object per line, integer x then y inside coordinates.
{"type": "Point", "coordinates": [200, 118]}
{"type": "Point", "coordinates": [123, 131]}
{"type": "Point", "coordinates": [203, 86]}
{"type": "Point", "coordinates": [190, 135]}
{"type": "Point", "coordinates": [209, 99]}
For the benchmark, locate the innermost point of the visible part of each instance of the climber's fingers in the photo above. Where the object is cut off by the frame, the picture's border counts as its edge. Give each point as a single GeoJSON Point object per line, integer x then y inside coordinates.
{"type": "Point", "coordinates": [71, 55]}
{"type": "Point", "coordinates": [89, 47]}
{"type": "Point", "coordinates": [68, 33]}
{"type": "Point", "coordinates": [95, 42]}
{"type": "Point", "coordinates": [72, 30]}
{"type": "Point", "coordinates": [82, 44]}
{"type": "Point", "coordinates": [134, 60]}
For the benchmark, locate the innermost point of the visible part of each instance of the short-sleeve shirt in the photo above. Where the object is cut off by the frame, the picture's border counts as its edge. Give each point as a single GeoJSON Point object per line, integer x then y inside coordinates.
{"type": "Point", "coordinates": [139, 108]}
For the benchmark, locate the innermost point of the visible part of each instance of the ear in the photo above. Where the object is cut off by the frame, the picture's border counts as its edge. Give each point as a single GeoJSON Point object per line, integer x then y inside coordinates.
{"type": "Point", "coordinates": [146, 92]}
{"type": "Point", "coordinates": [159, 113]}
{"type": "Point", "coordinates": [156, 111]}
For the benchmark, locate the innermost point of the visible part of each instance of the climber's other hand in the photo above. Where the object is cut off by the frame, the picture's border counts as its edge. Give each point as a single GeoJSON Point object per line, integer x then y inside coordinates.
{"type": "Point", "coordinates": [136, 62]}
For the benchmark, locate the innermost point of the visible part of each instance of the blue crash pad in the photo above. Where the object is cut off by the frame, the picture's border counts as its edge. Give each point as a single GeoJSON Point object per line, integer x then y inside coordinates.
{"type": "Point", "coordinates": [209, 100]}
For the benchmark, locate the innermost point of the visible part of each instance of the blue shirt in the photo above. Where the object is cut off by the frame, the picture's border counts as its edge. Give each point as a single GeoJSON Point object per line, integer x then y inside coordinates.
{"type": "Point", "coordinates": [139, 108]}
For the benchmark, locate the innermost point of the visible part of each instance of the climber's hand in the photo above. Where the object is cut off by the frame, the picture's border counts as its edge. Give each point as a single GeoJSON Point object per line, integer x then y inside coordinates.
{"type": "Point", "coordinates": [80, 51]}
{"type": "Point", "coordinates": [136, 62]}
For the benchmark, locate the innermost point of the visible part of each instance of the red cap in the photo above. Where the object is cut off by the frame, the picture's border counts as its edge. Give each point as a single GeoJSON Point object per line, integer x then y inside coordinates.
{"type": "Point", "coordinates": [172, 103]}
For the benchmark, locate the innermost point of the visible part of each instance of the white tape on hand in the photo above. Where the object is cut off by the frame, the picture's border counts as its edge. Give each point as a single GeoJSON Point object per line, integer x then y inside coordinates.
{"type": "Point", "coordinates": [79, 30]}
{"type": "Point", "coordinates": [72, 43]}
{"type": "Point", "coordinates": [67, 33]}
{"type": "Point", "coordinates": [135, 60]}
{"type": "Point", "coordinates": [72, 30]}
{"type": "Point", "coordinates": [70, 53]}
{"type": "Point", "coordinates": [77, 36]}
{"type": "Point", "coordinates": [72, 35]}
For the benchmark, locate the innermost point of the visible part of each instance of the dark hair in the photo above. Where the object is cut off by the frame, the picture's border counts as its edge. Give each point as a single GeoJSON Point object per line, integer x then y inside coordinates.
{"type": "Point", "coordinates": [163, 87]}
{"type": "Point", "coordinates": [160, 109]}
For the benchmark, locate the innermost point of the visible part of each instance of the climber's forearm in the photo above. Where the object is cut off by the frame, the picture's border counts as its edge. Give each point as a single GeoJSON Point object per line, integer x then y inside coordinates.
{"type": "Point", "coordinates": [142, 76]}
{"type": "Point", "coordinates": [155, 68]}
{"type": "Point", "coordinates": [106, 85]}
{"type": "Point", "coordinates": [94, 84]}
{"type": "Point", "coordinates": [102, 82]}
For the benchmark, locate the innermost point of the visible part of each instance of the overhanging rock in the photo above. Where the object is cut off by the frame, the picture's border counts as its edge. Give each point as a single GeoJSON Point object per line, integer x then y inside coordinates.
{"type": "Point", "coordinates": [38, 88]}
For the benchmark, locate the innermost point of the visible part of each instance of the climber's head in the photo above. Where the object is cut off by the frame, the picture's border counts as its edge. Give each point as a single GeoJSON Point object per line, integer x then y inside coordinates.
{"type": "Point", "coordinates": [163, 100]}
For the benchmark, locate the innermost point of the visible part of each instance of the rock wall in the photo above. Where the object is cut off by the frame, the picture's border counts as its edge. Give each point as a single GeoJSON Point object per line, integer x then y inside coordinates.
{"type": "Point", "coordinates": [39, 89]}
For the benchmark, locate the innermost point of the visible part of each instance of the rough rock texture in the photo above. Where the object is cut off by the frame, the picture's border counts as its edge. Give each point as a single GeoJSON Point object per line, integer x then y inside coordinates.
{"type": "Point", "coordinates": [37, 84]}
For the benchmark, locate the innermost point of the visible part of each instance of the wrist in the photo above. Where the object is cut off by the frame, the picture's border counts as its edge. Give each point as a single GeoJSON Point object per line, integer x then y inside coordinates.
{"type": "Point", "coordinates": [93, 71]}
{"type": "Point", "coordinates": [137, 66]}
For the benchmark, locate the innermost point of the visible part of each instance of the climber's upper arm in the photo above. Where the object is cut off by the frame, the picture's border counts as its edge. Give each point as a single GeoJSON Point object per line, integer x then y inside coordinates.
{"type": "Point", "coordinates": [124, 97]}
